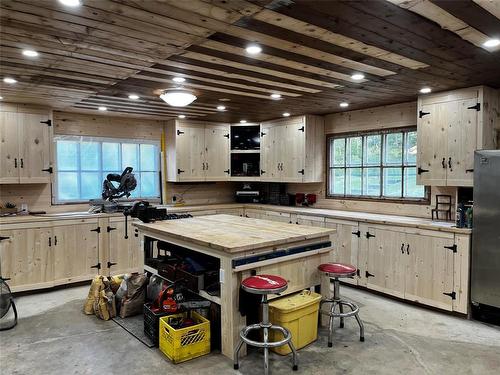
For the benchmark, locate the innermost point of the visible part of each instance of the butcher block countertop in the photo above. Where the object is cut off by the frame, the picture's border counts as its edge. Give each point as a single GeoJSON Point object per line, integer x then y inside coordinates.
{"type": "Point", "coordinates": [233, 234]}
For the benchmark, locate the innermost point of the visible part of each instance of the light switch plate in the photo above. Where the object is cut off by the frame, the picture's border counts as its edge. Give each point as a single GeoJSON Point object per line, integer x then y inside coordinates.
{"type": "Point", "coordinates": [221, 276]}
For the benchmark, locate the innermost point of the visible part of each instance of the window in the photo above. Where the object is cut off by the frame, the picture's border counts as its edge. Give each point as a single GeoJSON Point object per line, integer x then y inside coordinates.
{"type": "Point", "coordinates": [375, 165]}
{"type": "Point", "coordinates": [84, 162]}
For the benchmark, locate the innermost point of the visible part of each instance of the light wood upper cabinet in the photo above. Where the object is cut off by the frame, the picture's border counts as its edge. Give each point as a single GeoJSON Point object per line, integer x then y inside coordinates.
{"type": "Point", "coordinates": [24, 145]}
{"type": "Point", "coordinates": [197, 151]}
{"type": "Point", "coordinates": [450, 127]}
{"type": "Point", "coordinates": [292, 150]}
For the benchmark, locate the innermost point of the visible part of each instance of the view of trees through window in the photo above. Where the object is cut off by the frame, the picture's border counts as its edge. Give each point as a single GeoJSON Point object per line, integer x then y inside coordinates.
{"type": "Point", "coordinates": [379, 165]}
{"type": "Point", "coordinates": [83, 163]}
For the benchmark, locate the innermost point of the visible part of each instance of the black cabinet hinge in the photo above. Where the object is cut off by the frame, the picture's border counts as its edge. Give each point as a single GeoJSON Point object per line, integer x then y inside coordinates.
{"type": "Point", "coordinates": [226, 136]}
{"type": "Point", "coordinates": [301, 171]}
{"type": "Point", "coordinates": [98, 266]}
{"type": "Point", "coordinates": [262, 172]}
{"type": "Point", "coordinates": [453, 295]}
{"type": "Point", "coordinates": [179, 132]}
{"type": "Point", "coordinates": [111, 264]}
{"type": "Point", "coordinates": [179, 171]}
{"type": "Point", "coordinates": [49, 169]}
{"type": "Point", "coordinates": [97, 230]}
{"type": "Point", "coordinates": [368, 274]}
{"type": "Point", "coordinates": [368, 235]}
{"type": "Point", "coordinates": [420, 170]}
{"type": "Point", "coordinates": [358, 233]}
{"type": "Point", "coordinates": [48, 122]}
{"type": "Point", "coordinates": [477, 107]}
{"type": "Point", "coordinates": [262, 134]}
{"type": "Point", "coordinates": [227, 171]}
{"type": "Point", "coordinates": [109, 229]}
{"type": "Point", "coordinates": [358, 273]}
{"type": "Point", "coordinates": [452, 248]}
{"type": "Point", "coordinates": [50, 241]}
{"type": "Point", "coordinates": [3, 238]}
{"type": "Point", "coordinates": [302, 129]}
{"type": "Point", "coordinates": [422, 114]}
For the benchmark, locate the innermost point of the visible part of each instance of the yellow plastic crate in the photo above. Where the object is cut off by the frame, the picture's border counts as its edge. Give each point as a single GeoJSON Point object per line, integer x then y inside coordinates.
{"type": "Point", "coordinates": [299, 314]}
{"type": "Point", "coordinates": [183, 344]}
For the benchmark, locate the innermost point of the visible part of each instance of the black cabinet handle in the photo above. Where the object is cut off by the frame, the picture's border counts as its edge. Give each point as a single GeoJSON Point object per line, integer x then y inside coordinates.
{"type": "Point", "coordinates": [443, 163]}
{"type": "Point", "coordinates": [50, 241]}
{"type": "Point", "coordinates": [449, 165]}
{"type": "Point", "coordinates": [15, 162]}
{"type": "Point", "coordinates": [402, 248]}
{"type": "Point", "coordinates": [55, 240]}
{"type": "Point", "coordinates": [469, 170]}
{"type": "Point", "coordinates": [110, 264]}
{"type": "Point", "coordinates": [408, 249]}
{"type": "Point", "coordinates": [358, 233]}
{"type": "Point", "coordinates": [368, 274]}
{"type": "Point", "coordinates": [368, 235]}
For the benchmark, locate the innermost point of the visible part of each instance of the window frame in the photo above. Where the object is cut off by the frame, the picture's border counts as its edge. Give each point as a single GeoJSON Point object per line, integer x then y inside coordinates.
{"type": "Point", "coordinates": [91, 138]}
{"type": "Point", "coordinates": [425, 200]}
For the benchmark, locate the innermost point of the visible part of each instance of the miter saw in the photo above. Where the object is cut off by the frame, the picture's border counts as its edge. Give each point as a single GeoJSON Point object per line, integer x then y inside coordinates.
{"type": "Point", "coordinates": [115, 186]}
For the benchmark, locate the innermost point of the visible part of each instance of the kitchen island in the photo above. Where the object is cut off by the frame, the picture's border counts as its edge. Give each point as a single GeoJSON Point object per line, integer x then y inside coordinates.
{"type": "Point", "coordinates": [243, 246]}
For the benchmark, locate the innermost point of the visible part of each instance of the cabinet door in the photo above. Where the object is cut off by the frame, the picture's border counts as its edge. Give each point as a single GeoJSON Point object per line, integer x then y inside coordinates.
{"type": "Point", "coordinates": [124, 254]}
{"type": "Point", "coordinates": [313, 221]}
{"type": "Point", "coordinates": [190, 152]}
{"type": "Point", "coordinates": [345, 246]}
{"type": "Point", "coordinates": [462, 136]}
{"type": "Point", "coordinates": [34, 148]}
{"type": "Point", "coordinates": [432, 144]}
{"type": "Point", "coordinates": [293, 152]}
{"type": "Point", "coordinates": [430, 269]}
{"type": "Point", "coordinates": [270, 154]}
{"type": "Point", "coordinates": [386, 263]}
{"type": "Point", "coordinates": [9, 148]}
{"type": "Point", "coordinates": [75, 249]}
{"type": "Point", "coordinates": [26, 258]}
{"type": "Point", "coordinates": [217, 153]}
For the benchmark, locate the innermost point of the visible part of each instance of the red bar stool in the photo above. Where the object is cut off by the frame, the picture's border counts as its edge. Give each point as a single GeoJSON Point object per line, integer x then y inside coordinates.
{"type": "Point", "coordinates": [335, 271]}
{"type": "Point", "coordinates": [264, 285]}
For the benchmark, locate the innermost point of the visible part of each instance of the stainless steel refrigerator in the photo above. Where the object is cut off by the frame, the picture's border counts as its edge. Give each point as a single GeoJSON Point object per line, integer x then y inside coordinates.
{"type": "Point", "coordinates": [485, 278]}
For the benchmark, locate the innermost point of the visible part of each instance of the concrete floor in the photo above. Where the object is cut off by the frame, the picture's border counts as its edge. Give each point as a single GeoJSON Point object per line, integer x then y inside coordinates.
{"type": "Point", "coordinates": [54, 337]}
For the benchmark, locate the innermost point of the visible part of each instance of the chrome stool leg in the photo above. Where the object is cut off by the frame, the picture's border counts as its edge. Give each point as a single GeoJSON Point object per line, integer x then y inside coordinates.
{"type": "Point", "coordinates": [236, 355]}
{"type": "Point", "coordinates": [330, 324]}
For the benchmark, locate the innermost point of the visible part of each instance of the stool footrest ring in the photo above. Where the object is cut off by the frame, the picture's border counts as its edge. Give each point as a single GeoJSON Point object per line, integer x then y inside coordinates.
{"type": "Point", "coordinates": [244, 332]}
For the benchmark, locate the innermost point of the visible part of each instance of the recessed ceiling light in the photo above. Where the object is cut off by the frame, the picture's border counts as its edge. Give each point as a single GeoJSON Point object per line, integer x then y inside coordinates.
{"type": "Point", "coordinates": [344, 104]}
{"type": "Point", "coordinates": [425, 90]}
{"type": "Point", "coordinates": [102, 109]}
{"type": "Point", "coordinates": [1, 97]}
{"type": "Point", "coordinates": [9, 80]}
{"type": "Point", "coordinates": [253, 49]}
{"type": "Point", "coordinates": [221, 108]}
{"type": "Point", "coordinates": [358, 76]}
{"type": "Point", "coordinates": [276, 96]}
{"type": "Point", "coordinates": [286, 114]}
{"type": "Point", "coordinates": [492, 43]}
{"type": "Point", "coordinates": [182, 116]}
{"type": "Point", "coordinates": [179, 79]}
{"type": "Point", "coordinates": [30, 53]}
{"type": "Point", "coordinates": [70, 3]}
{"type": "Point", "coordinates": [133, 96]}
{"type": "Point", "coordinates": [243, 121]}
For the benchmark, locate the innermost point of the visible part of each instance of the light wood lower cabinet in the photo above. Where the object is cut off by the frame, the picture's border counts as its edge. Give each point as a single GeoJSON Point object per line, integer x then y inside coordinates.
{"type": "Point", "coordinates": [46, 254]}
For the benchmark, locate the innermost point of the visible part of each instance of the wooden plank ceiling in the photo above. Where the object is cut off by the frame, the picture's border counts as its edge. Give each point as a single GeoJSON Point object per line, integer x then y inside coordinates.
{"type": "Point", "coordinates": [98, 53]}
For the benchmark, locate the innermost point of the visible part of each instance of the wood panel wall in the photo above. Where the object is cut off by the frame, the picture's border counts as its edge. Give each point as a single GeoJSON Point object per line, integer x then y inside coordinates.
{"type": "Point", "coordinates": [377, 118]}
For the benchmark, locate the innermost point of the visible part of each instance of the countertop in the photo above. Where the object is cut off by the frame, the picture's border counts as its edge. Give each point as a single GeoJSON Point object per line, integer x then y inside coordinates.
{"type": "Point", "coordinates": [234, 234]}
{"type": "Point", "coordinates": [363, 217]}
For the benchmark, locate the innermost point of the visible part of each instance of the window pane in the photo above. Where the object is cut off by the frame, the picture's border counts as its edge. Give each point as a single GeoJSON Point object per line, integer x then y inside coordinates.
{"type": "Point", "coordinates": [373, 148]}
{"type": "Point", "coordinates": [67, 155]}
{"type": "Point", "coordinates": [393, 148]}
{"type": "Point", "coordinates": [149, 184]}
{"type": "Point", "coordinates": [91, 185]}
{"type": "Point", "coordinates": [129, 155]}
{"type": "Point", "coordinates": [148, 157]}
{"type": "Point", "coordinates": [337, 157]}
{"type": "Point", "coordinates": [411, 189]}
{"type": "Point", "coordinates": [337, 181]}
{"type": "Point", "coordinates": [411, 148]}
{"type": "Point", "coordinates": [110, 156]}
{"type": "Point", "coordinates": [354, 151]}
{"type": "Point", "coordinates": [89, 156]}
{"type": "Point", "coordinates": [353, 182]}
{"type": "Point", "coordinates": [67, 186]}
{"type": "Point", "coordinates": [371, 182]}
{"type": "Point", "coordinates": [392, 182]}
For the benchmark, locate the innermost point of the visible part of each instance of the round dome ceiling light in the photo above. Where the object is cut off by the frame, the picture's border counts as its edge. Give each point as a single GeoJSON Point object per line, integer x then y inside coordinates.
{"type": "Point", "coordinates": [178, 97]}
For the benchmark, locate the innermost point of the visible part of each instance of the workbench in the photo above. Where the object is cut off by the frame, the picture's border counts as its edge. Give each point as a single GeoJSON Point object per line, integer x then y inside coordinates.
{"type": "Point", "coordinates": [243, 246]}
